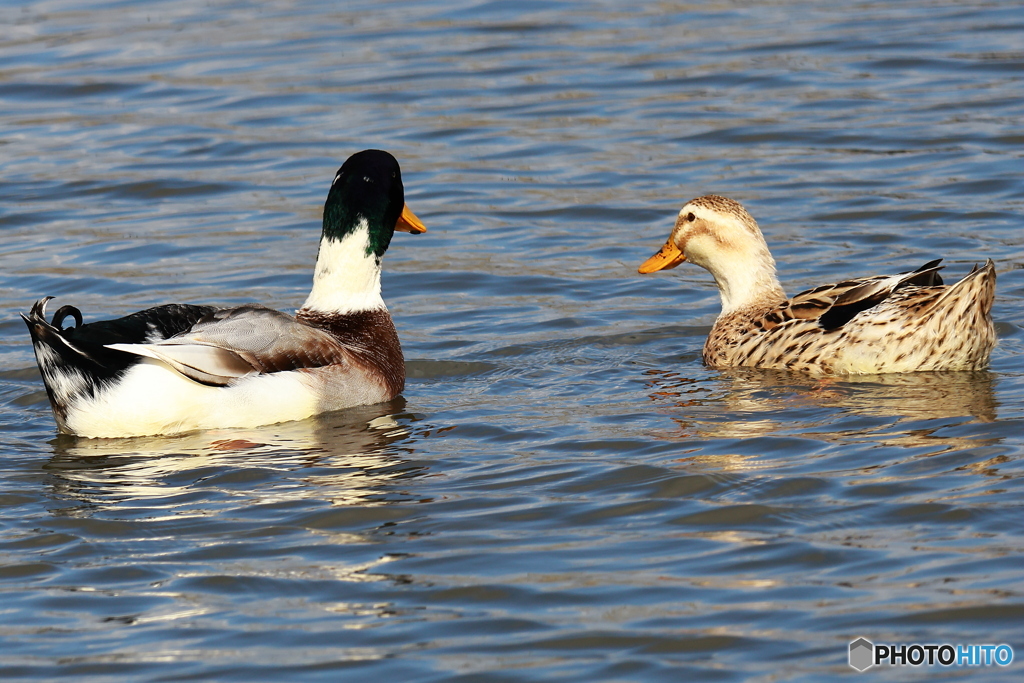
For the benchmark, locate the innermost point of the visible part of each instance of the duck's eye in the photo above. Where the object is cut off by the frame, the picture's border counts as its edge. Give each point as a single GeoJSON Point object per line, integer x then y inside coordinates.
{"type": "Point", "coordinates": [690, 217]}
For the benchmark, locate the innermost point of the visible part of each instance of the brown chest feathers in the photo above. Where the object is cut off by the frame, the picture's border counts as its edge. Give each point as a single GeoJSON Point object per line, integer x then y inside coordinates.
{"type": "Point", "coordinates": [371, 340]}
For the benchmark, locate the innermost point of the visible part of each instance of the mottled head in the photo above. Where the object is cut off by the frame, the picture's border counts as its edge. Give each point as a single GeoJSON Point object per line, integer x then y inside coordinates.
{"type": "Point", "coordinates": [717, 234]}
{"type": "Point", "coordinates": [367, 194]}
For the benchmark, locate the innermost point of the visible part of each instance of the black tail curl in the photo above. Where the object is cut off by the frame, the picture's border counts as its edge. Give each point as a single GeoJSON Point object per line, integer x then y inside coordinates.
{"type": "Point", "coordinates": [62, 313]}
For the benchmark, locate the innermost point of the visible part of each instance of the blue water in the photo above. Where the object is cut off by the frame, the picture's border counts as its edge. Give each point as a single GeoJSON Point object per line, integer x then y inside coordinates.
{"type": "Point", "coordinates": [564, 492]}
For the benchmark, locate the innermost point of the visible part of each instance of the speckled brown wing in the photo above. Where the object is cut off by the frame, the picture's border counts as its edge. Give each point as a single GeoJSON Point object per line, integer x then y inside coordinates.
{"type": "Point", "coordinates": [836, 304]}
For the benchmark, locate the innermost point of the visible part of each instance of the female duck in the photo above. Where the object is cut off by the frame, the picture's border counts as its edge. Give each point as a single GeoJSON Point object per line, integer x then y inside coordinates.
{"type": "Point", "coordinates": [885, 323]}
{"type": "Point", "coordinates": [179, 367]}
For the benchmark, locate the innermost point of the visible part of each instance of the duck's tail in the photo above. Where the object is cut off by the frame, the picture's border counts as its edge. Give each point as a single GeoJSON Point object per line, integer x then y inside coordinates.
{"type": "Point", "coordinates": [963, 313]}
{"type": "Point", "coordinates": [63, 365]}
{"type": "Point", "coordinates": [976, 291]}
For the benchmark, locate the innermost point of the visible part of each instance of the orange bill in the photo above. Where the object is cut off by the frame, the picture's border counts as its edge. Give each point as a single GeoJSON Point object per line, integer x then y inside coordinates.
{"type": "Point", "coordinates": [668, 257]}
{"type": "Point", "coordinates": [408, 222]}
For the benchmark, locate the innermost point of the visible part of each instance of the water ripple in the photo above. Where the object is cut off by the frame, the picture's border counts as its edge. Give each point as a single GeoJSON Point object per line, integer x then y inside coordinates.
{"type": "Point", "coordinates": [565, 492]}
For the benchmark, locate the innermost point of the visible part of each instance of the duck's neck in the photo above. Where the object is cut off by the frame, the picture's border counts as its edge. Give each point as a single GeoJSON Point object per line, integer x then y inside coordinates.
{"type": "Point", "coordinates": [347, 275]}
{"type": "Point", "coordinates": [747, 281]}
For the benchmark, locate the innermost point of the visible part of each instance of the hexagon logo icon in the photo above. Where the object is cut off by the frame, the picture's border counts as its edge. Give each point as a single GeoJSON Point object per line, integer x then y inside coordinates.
{"type": "Point", "coordinates": [862, 654]}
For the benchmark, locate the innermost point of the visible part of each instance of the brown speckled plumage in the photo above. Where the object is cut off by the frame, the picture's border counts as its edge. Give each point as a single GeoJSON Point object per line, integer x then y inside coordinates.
{"type": "Point", "coordinates": [901, 323]}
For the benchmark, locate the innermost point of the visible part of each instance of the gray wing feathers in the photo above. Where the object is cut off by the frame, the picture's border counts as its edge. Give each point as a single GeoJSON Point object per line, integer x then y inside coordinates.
{"type": "Point", "coordinates": [236, 342]}
{"type": "Point", "coordinates": [204, 364]}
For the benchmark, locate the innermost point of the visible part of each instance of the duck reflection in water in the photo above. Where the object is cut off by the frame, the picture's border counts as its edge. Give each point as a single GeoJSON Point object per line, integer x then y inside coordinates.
{"type": "Point", "coordinates": [357, 456]}
{"type": "Point", "coordinates": [750, 403]}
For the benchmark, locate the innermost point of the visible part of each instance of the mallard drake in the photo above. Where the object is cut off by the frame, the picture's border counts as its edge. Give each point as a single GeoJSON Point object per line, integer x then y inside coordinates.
{"type": "Point", "coordinates": [180, 367]}
{"type": "Point", "coordinates": [886, 323]}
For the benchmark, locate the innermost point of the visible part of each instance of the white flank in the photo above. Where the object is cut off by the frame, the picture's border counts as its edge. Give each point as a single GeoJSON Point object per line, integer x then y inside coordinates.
{"type": "Point", "coordinates": [346, 279]}
{"type": "Point", "coordinates": [152, 398]}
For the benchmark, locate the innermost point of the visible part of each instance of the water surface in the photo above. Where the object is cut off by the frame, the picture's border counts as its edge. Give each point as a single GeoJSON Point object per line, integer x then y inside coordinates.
{"type": "Point", "coordinates": [564, 492]}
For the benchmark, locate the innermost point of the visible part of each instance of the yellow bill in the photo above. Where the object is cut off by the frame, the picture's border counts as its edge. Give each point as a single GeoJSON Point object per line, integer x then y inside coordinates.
{"type": "Point", "coordinates": [668, 257]}
{"type": "Point", "coordinates": [408, 222]}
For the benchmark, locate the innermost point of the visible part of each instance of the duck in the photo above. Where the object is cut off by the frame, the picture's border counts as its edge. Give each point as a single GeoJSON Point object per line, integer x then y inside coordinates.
{"type": "Point", "coordinates": [182, 367]}
{"type": "Point", "coordinates": [908, 322]}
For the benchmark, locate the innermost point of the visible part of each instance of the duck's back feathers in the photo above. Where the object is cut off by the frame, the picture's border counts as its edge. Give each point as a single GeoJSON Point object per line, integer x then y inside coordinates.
{"type": "Point", "coordinates": [89, 340]}
{"type": "Point", "coordinates": [832, 306]}
{"type": "Point", "coordinates": [230, 343]}
{"type": "Point", "coordinates": [896, 323]}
